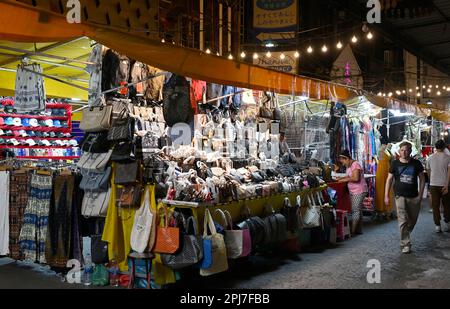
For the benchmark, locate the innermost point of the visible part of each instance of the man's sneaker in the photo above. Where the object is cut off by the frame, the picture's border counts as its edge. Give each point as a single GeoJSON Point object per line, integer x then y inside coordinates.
{"type": "Point", "coordinates": [437, 229]}
{"type": "Point", "coordinates": [447, 227]}
{"type": "Point", "coordinates": [406, 249]}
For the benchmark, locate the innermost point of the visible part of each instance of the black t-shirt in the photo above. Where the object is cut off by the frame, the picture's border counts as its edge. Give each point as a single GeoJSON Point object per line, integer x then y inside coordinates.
{"type": "Point", "coordinates": [405, 175]}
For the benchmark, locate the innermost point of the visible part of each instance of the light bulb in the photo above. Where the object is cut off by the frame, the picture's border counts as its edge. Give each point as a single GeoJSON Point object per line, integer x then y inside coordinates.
{"type": "Point", "coordinates": [230, 56]}
{"type": "Point", "coordinates": [324, 48]}
{"type": "Point", "coordinates": [438, 93]}
{"type": "Point", "coordinates": [418, 94]}
{"type": "Point", "coordinates": [437, 86]}
{"type": "Point", "coordinates": [398, 92]}
{"type": "Point", "coordinates": [354, 39]}
{"type": "Point", "coordinates": [217, 54]}
{"type": "Point", "coordinates": [163, 41]}
{"type": "Point", "coordinates": [282, 56]}
{"type": "Point", "coordinates": [390, 94]}
{"type": "Point", "coordinates": [310, 49]}
{"type": "Point", "coordinates": [429, 90]}
{"type": "Point", "coordinates": [380, 94]}
{"type": "Point", "coordinates": [424, 86]}
{"type": "Point", "coordinates": [208, 51]}
{"type": "Point", "coordinates": [410, 90]}
{"type": "Point", "coordinates": [448, 88]}
{"type": "Point", "coordinates": [255, 56]}
{"type": "Point", "coordinates": [430, 86]}
{"type": "Point", "coordinates": [417, 88]}
{"type": "Point", "coordinates": [339, 45]}
{"type": "Point", "coordinates": [370, 36]}
{"type": "Point", "coordinates": [242, 55]}
{"type": "Point", "coordinates": [268, 54]}
{"type": "Point", "coordinates": [403, 91]}
{"type": "Point", "coordinates": [297, 54]}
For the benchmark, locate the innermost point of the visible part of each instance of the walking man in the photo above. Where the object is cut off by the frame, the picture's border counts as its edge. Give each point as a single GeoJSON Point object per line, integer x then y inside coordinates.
{"type": "Point", "coordinates": [408, 199]}
{"type": "Point", "coordinates": [438, 168]}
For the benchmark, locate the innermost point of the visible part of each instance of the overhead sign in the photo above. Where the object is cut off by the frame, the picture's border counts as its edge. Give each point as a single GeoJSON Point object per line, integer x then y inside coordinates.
{"type": "Point", "coordinates": [275, 19]}
{"type": "Point", "coordinates": [288, 64]}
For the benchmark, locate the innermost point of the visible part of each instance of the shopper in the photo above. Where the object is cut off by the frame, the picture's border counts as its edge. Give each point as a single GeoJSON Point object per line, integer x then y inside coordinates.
{"type": "Point", "coordinates": [405, 171]}
{"type": "Point", "coordinates": [438, 168]}
{"type": "Point", "coordinates": [357, 186]}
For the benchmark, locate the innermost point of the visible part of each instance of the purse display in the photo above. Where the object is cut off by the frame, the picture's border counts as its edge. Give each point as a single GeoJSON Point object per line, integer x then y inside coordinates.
{"type": "Point", "coordinates": [96, 118]}
{"type": "Point", "coordinates": [99, 248]}
{"type": "Point", "coordinates": [123, 151]}
{"type": "Point", "coordinates": [167, 238]}
{"type": "Point", "coordinates": [129, 196]}
{"type": "Point", "coordinates": [96, 142]}
{"type": "Point", "coordinates": [127, 173]}
{"type": "Point", "coordinates": [95, 204]}
{"type": "Point", "coordinates": [312, 216]}
{"type": "Point", "coordinates": [122, 131]}
{"type": "Point", "coordinates": [142, 226]}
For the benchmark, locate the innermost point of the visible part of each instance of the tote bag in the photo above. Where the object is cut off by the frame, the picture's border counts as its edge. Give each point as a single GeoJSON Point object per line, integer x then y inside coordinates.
{"type": "Point", "coordinates": [233, 238]}
{"type": "Point", "coordinates": [167, 238]}
{"type": "Point", "coordinates": [95, 204]}
{"type": "Point", "coordinates": [219, 251]}
{"type": "Point", "coordinates": [246, 238]}
{"type": "Point", "coordinates": [142, 226]}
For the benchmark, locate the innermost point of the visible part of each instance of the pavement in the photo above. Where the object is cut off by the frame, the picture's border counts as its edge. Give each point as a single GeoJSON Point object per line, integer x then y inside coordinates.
{"type": "Point", "coordinates": [343, 266]}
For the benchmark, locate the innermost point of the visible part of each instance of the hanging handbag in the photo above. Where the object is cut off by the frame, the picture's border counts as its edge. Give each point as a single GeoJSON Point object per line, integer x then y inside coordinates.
{"type": "Point", "coordinates": [291, 214]}
{"type": "Point", "coordinates": [219, 252]}
{"type": "Point", "coordinates": [95, 204]}
{"type": "Point", "coordinates": [94, 161]}
{"type": "Point", "coordinates": [265, 110]}
{"type": "Point", "coordinates": [123, 131]}
{"type": "Point", "coordinates": [95, 182]}
{"type": "Point", "coordinates": [129, 196]}
{"type": "Point", "coordinates": [236, 243]}
{"type": "Point", "coordinates": [123, 151]}
{"type": "Point", "coordinates": [191, 251]}
{"type": "Point", "coordinates": [96, 142]}
{"type": "Point", "coordinates": [167, 237]}
{"type": "Point", "coordinates": [127, 173]}
{"type": "Point", "coordinates": [142, 226]}
{"type": "Point", "coordinates": [96, 118]}
{"type": "Point", "coordinates": [99, 248]}
{"type": "Point", "coordinates": [312, 216]}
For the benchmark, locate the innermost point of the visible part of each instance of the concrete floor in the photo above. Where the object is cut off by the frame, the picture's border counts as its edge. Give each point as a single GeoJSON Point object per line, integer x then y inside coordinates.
{"type": "Point", "coordinates": [341, 267]}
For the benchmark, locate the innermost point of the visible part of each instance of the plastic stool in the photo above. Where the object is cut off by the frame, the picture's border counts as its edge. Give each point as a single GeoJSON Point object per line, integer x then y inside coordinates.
{"type": "Point", "coordinates": [342, 224]}
{"type": "Point", "coordinates": [147, 257]}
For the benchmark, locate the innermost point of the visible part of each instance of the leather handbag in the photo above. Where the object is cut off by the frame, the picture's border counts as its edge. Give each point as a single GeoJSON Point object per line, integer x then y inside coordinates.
{"type": "Point", "coordinates": [142, 226]}
{"type": "Point", "coordinates": [94, 182]}
{"type": "Point", "coordinates": [256, 227]}
{"type": "Point", "coordinates": [122, 131]}
{"type": "Point", "coordinates": [129, 196]}
{"type": "Point", "coordinates": [191, 251]}
{"type": "Point", "coordinates": [96, 142]}
{"type": "Point", "coordinates": [96, 119]}
{"type": "Point", "coordinates": [95, 204]}
{"type": "Point", "coordinates": [94, 161]}
{"type": "Point", "coordinates": [99, 248]}
{"type": "Point", "coordinates": [219, 252]}
{"type": "Point", "coordinates": [167, 237]}
{"type": "Point", "coordinates": [291, 214]}
{"type": "Point", "coordinates": [312, 216]}
{"type": "Point", "coordinates": [127, 173]}
{"type": "Point", "coordinates": [276, 231]}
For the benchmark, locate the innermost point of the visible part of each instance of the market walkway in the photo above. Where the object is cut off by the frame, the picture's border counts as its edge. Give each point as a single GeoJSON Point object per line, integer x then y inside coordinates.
{"type": "Point", "coordinates": [343, 266]}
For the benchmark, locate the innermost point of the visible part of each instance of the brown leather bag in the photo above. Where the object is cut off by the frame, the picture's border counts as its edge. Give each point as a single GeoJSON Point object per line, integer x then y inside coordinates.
{"type": "Point", "coordinates": [129, 196]}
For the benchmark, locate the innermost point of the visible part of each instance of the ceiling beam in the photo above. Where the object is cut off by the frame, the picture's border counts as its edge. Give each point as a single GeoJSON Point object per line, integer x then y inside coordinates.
{"type": "Point", "coordinates": [389, 31]}
{"type": "Point", "coordinates": [424, 25]}
{"type": "Point", "coordinates": [436, 43]}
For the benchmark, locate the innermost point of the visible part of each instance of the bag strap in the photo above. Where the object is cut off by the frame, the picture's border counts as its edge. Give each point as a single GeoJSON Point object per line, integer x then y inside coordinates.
{"type": "Point", "coordinates": [230, 220]}
{"type": "Point", "coordinates": [189, 221]}
{"type": "Point", "coordinates": [224, 218]}
{"type": "Point", "coordinates": [208, 223]}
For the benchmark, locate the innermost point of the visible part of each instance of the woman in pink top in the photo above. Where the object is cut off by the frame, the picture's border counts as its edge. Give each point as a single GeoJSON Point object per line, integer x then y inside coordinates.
{"type": "Point", "coordinates": [357, 186]}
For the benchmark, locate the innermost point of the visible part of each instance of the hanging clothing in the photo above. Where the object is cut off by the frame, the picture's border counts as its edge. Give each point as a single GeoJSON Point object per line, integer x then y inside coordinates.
{"type": "Point", "coordinates": [58, 242]}
{"type": "Point", "coordinates": [76, 240]}
{"type": "Point", "coordinates": [4, 213]}
{"type": "Point", "coordinates": [34, 230]}
{"type": "Point", "coordinates": [18, 199]}
{"type": "Point", "coordinates": [95, 76]}
{"type": "Point", "coordinates": [380, 182]}
{"type": "Point", "coordinates": [29, 89]}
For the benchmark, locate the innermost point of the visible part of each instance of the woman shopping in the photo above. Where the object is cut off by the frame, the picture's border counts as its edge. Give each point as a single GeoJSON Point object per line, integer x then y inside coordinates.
{"type": "Point", "coordinates": [357, 186]}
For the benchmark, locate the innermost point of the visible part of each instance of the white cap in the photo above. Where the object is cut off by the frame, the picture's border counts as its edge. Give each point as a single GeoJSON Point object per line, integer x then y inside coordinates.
{"type": "Point", "coordinates": [49, 123]}
{"type": "Point", "coordinates": [34, 123]}
{"type": "Point", "coordinates": [30, 142]}
{"type": "Point", "coordinates": [73, 142]}
{"type": "Point", "coordinates": [46, 142]}
{"type": "Point", "coordinates": [23, 133]}
{"type": "Point", "coordinates": [17, 122]}
{"type": "Point", "coordinates": [14, 141]}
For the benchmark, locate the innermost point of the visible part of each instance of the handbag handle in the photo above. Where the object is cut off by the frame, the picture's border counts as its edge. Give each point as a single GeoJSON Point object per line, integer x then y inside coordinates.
{"type": "Point", "coordinates": [230, 219]}
{"type": "Point", "coordinates": [208, 223]}
{"type": "Point", "coordinates": [193, 221]}
{"type": "Point", "coordinates": [224, 218]}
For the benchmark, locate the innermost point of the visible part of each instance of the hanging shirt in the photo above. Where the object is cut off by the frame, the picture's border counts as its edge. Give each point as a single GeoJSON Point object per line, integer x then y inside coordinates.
{"type": "Point", "coordinates": [29, 89]}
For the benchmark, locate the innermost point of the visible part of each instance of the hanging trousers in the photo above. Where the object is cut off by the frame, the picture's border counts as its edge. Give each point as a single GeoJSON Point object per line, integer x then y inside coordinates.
{"type": "Point", "coordinates": [18, 200]}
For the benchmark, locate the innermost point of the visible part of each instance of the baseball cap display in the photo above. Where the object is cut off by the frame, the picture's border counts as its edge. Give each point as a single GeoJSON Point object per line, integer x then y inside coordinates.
{"type": "Point", "coordinates": [57, 124]}
{"type": "Point", "coordinates": [42, 123]}
{"type": "Point", "coordinates": [2, 121]}
{"type": "Point", "coordinates": [25, 122]}
{"type": "Point", "coordinates": [14, 142]}
{"type": "Point", "coordinates": [9, 133]}
{"type": "Point", "coordinates": [45, 142]}
{"type": "Point", "coordinates": [2, 141]}
{"type": "Point", "coordinates": [2, 132]}
{"type": "Point", "coordinates": [31, 133]}
{"type": "Point", "coordinates": [34, 123]}
{"type": "Point", "coordinates": [17, 122]}
{"type": "Point", "coordinates": [9, 121]}
{"type": "Point", "coordinates": [23, 133]}
{"type": "Point", "coordinates": [73, 142]}
{"type": "Point", "coordinates": [64, 124]}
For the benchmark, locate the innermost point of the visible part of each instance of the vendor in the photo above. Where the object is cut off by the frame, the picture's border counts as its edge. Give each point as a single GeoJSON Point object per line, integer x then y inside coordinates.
{"type": "Point", "coordinates": [357, 186]}
{"type": "Point", "coordinates": [284, 147]}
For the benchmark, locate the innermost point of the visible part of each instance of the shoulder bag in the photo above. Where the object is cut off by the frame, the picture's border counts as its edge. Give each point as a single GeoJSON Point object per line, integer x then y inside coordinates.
{"type": "Point", "coordinates": [95, 204]}
{"type": "Point", "coordinates": [96, 119]}
{"type": "Point", "coordinates": [143, 222]}
{"type": "Point", "coordinates": [94, 161]}
{"type": "Point", "coordinates": [95, 182]}
{"type": "Point", "coordinates": [167, 237]}
{"type": "Point", "coordinates": [128, 173]}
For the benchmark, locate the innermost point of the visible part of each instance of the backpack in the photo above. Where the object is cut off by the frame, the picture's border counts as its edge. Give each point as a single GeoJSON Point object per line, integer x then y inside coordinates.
{"type": "Point", "coordinates": [176, 101]}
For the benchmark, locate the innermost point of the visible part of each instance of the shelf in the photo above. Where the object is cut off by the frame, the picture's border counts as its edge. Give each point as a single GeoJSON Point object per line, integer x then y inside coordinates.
{"type": "Point", "coordinates": [36, 138]}
{"type": "Point", "coordinates": [34, 116]}
{"type": "Point", "coordinates": [36, 147]}
{"type": "Point", "coordinates": [42, 129]}
{"type": "Point", "coordinates": [48, 157]}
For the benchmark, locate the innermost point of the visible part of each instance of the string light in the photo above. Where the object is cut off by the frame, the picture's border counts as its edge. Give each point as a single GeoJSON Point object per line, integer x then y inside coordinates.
{"type": "Point", "coordinates": [269, 54]}
{"type": "Point", "coordinates": [417, 88]}
{"type": "Point", "coordinates": [370, 36]}
{"type": "Point", "coordinates": [424, 86]}
{"type": "Point", "coordinates": [380, 94]}
{"type": "Point", "coordinates": [390, 94]}
{"type": "Point", "coordinates": [410, 90]}
{"type": "Point", "coordinates": [230, 56]}
{"type": "Point", "coordinates": [243, 55]}
{"type": "Point", "coordinates": [297, 54]}
{"type": "Point", "coordinates": [208, 51]}
{"type": "Point", "coordinates": [438, 93]}
{"type": "Point", "coordinates": [324, 48]}
{"type": "Point", "coordinates": [354, 39]}
{"type": "Point", "coordinates": [429, 90]}
{"type": "Point", "coordinates": [163, 41]}
{"type": "Point", "coordinates": [418, 94]}
{"type": "Point", "coordinates": [339, 45]}
{"type": "Point", "coordinates": [282, 56]}
{"type": "Point", "coordinates": [403, 91]}
{"type": "Point", "coordinates": [437, 86]}
{"type": "Point", "coordinates": [255, 56]}
{"type": "Point", "coordinates": [217, 54]}
{"type": "Point", "coordinates": [398, 92]}
{"type": "Point", "coordinates": [310, 49]}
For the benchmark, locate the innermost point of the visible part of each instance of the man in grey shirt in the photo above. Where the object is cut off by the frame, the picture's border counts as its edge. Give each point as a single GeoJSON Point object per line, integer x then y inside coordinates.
{"type": "Point", "coordinates": [438, 167]}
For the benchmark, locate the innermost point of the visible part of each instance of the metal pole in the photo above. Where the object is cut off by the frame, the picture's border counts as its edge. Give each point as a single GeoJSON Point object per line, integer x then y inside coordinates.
{"type": "Point", "coordinates": [56, 79]}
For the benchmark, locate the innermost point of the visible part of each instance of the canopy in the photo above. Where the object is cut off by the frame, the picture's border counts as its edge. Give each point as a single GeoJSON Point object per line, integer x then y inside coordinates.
{"type": "Point", "coordinates": [32, 24]}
